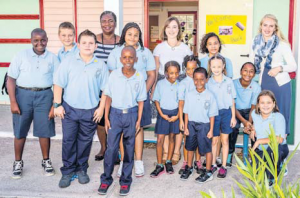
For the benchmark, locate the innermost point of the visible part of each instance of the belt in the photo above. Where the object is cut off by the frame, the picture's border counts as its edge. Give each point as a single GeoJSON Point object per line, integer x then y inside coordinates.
{"type": "Point", "coordinates": [34, 88]}
{"type": "Point", "coordinates": [124, 111]}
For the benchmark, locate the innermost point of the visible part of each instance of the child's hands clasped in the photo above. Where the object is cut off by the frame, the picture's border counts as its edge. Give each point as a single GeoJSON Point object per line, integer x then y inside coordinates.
{"type": "Point", "coordinates": [165, 117]}
{"type": "Point", "coordinates": [173, 119]}
{"type": "Point", "coordinates": [247, 127]}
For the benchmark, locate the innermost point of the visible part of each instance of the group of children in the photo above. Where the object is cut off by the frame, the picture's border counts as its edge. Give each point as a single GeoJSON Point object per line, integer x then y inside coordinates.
{"type": "Point", "coordinates": [207, 105]}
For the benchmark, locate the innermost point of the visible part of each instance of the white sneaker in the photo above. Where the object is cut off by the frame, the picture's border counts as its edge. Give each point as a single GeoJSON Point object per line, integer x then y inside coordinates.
{"type": "Point", "coordinates": [120, 169]}
{"type": "Point", "coordinates": [139, 168]}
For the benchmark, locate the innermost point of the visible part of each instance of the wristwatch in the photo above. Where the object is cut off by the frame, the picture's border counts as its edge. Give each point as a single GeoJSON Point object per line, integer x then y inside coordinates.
{"type": "Point", "coordinates": [55, 105]}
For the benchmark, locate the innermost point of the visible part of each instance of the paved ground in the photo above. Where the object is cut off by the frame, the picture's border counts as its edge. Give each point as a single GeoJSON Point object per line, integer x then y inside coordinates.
{"type": "Point", "coordinates": [34, 184]}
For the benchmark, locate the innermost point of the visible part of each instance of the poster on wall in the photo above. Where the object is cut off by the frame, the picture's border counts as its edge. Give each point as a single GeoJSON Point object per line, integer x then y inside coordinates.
{"type": "Point", "coordinates": [230, 28]}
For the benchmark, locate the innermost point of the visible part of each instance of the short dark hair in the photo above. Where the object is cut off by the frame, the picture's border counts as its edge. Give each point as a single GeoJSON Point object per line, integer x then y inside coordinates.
{"type": "Point", "coordinates": [87, 33]}
{"type": "Point", "coordinates": [66, 25]}
{"type": "Point", "coordinates": [130, 48]}
{"type": "Point", "coordinates": [128, 26]}
{"type": "Point", "coordinates": [250, 63]}
{"type": "Point", "coordinates": [201, 70]}
{"type": "Point", "coordinates": [38, 31]}
{"type": "Point", "coordinates": [203, 48]}
{"type": "Point", "coordinates": [109, 12]}
{"type": "Point", "coordinates": [170, 64]}
{"type": "Point", "coordinates": [188, 58]}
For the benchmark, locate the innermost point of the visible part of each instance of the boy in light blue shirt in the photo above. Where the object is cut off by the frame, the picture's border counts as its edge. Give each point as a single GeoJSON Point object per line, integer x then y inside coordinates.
{"type": "Point", "coordinates": [126, 93]}
{"type": "Point", "coordinates": [82, 77]}
{"type": "Point", "coordinates": [29, 86]}
{"type": "Point", "coordinates": [200, 109]}
{"type": "Point", "coordinates": [66, 35]}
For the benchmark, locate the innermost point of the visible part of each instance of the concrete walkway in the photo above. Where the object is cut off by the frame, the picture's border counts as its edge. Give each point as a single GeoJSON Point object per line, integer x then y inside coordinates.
{"type": "Point", "coordinates": [34, 184]}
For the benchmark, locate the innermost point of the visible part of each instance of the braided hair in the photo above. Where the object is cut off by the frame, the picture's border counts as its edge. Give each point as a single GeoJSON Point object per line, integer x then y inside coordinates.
{"type": "Point", "coordinates": [128, 26]}
{"type": "Point", "coordinates": [188, 58]}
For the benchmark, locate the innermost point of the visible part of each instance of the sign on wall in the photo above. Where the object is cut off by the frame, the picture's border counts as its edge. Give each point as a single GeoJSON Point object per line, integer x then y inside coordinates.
{"type": "Point", "coordinates": [230, 28]}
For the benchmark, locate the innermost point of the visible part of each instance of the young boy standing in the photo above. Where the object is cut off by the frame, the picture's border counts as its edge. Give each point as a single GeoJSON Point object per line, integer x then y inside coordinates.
{"type": "Point", "coordinates": [200, 107]}
{"type": "Point", "coordinates": [82, 77]}
{"type": "Point", "coordinates": [126, 93]}
{"type": "Point", "coordinates": [29, 85]}
{"type": "Point", "coordinates": [66, 35]}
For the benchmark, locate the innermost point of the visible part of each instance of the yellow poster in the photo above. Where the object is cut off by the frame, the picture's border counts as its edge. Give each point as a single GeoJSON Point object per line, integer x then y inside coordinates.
{"type": "Point", "coordinates": [230, 28]}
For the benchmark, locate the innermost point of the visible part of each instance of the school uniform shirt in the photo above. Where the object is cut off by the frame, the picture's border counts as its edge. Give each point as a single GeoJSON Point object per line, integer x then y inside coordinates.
{"type": "Point", "coordinates": [229, 68]}
{"type": "Point", "coordinates": [81, 81]}
{"type": "Point", "coordinates": [185, 86]}
{"type": "Point", "coordinates": [166, 94]}
{"type": "Point", "coordinates": [144, 63]}
{"type": "Point", "coordinates": [200, 106]}
{"type": "Point", "coordinates": [223, 91]}
{"type": "Point", "coordinates": [32, 70]}
{"type": "Point", "coordinates": [245, 97]}
{"type": "Point", "coordinates": [167, 53]}
{"type": "Point", "coordinates": [62, 54]}
{"type": "Point", "coordinates": [126, 92]}
{"type": "Point", "coordinates": [262, 126]}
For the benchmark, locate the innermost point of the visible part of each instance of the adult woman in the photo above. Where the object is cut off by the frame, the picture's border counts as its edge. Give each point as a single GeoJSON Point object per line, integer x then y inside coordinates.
{"type": "Point", "coordinates": [170, 49]}
{"type": "Point", "coordinates": [106, 42]}
{"type": "Point", "coordinates": [273, 60]}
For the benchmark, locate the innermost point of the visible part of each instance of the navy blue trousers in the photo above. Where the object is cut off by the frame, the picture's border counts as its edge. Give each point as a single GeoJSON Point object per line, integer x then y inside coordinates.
{"type": "Point", "coordinates": [78, 132]}
{"type": "Point", "coordinates": [120, 123]}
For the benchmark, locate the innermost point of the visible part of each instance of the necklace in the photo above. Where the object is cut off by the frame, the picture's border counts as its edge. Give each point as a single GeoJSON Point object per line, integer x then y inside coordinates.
{"type": "Point", "coordinates": [173, 47]}
{"type": "Point", "coordinates": [103, 42]}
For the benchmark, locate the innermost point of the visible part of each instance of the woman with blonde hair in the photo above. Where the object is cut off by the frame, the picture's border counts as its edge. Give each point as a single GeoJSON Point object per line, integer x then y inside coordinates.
{"type": "Point", "coordinates": [274, 60]}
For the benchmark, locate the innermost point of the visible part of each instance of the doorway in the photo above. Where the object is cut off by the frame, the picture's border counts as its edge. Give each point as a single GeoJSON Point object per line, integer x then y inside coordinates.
{"type": "Point", "coordinates": [157, 12]}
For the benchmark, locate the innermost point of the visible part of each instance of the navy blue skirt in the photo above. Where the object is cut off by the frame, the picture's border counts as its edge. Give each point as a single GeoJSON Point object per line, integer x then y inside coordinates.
{"type": "Point", "coordinates": [164, 127]}
{"type": "Point", "coordinates": [283, 95]}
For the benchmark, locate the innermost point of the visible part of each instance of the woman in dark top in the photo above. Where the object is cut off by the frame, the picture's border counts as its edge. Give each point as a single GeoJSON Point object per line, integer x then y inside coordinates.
{"type": "Point", "coordinates": [106, 42]}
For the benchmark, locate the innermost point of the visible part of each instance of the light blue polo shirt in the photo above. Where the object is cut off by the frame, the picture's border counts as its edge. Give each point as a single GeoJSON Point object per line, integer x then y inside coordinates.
{"type": "Point", "coordinates": [166, 94]}
{"type": "Point", "coordinates": [223, 91]}
{"type": "Point", "coordinates": [81, 81]}
{"type": "Point", "coordinates": [32, 70]}
{"type": "Point", "coordinates": [185, 86]}
{"type": "Point", "coordinates": [229, 68]}
{"type": "Point", "coordinates": [62, 54]}
{"type": "Point", "coordinates": [144, 63]}
{"type": "Point", "coordinates": [200, 106]}
{"type": "Point", "coordinates": [262, 127]}
{"type": "Point", "coordinates": [245, 97]}
{"type": "Point", "coordinates": [126, 92]}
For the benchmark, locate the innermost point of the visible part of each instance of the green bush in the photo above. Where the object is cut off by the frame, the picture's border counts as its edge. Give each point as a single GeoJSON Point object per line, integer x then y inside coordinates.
{"type": "Point", "coordinates": [256, 184]}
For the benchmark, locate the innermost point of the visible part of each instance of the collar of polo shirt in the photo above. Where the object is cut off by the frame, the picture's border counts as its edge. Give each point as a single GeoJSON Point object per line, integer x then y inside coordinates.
{"type": "Point", "coordinates": [33, 54]}
{"type": "Point", "coordinates": [94, 59]}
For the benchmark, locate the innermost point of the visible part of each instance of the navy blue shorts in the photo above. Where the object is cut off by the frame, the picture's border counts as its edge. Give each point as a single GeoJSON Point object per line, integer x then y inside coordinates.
{"type": "Point", "coordinates": [34, 106]}
{"type": "Point", "coordinates": [198, 137]}
{"type": "Point", "coordinates": [222, 122]}
{"type": "Point", "coordinates": [146, 116]}
{"type": "Point", "coordinates": [164, 127]}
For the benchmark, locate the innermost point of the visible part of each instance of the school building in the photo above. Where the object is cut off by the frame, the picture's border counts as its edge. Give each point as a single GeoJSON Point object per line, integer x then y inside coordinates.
{"type": "Point", "coordinates": [236, 21]}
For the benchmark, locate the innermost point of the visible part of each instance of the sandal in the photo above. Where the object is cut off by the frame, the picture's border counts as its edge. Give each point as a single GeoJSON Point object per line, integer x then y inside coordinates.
{"type": "Point", "coordinates": [175, 159]}
{"type": "Point", "coordinates": [164, 158]}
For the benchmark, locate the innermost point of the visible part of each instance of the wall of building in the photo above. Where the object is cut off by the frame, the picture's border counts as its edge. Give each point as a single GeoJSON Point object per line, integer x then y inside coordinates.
{"type": "Point", "coordinates": [133, 11]}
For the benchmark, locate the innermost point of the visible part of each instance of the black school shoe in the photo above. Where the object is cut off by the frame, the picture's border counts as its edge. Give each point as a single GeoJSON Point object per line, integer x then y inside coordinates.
{"type": "Point", "coordinates": [169, 168]}
{"type": "Point", "coordinates": [186, 173]}
{"type": "Point", "coordinates": [198, 167]}
{"type": "Point", "coordinates": [158, 171]}
{"type": "Point", "coordinates": [207, 176]}
{"type": "Point", "coordinates": [124, 190]}
{"type": "Point", "coordinates": [102, 190]}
